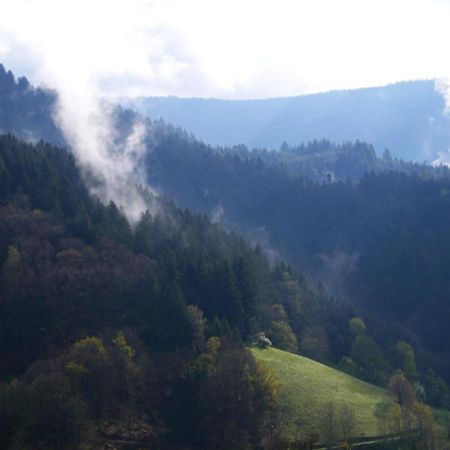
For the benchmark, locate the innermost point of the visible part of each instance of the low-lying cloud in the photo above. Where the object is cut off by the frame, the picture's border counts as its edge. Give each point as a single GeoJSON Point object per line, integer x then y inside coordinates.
{"type": "Point", "coordinates": [89, 50]}
{"type": "Point", "coordinates": [113, 167]}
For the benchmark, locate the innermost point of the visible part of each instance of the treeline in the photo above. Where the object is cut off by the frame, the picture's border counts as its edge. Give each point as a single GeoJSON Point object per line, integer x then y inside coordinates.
{"type": "Point", "coordinates": [325, 161]}
{"type": "Point", "coordinates": [407, 117]}
{"type": "Point", "coordinates": [29, 112]}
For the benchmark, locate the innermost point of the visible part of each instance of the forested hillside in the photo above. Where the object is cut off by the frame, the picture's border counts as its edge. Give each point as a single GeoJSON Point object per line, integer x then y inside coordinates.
{"type": "Point", "coordinates": [125, 337]}
{"type": "Point", "coordinates": [407, 118]}
{"type": "Point", "coordinates": [121, 334]}
{"type": "Point", "coordinates": [378, 241]}
{"type": "Point", "coordinates": [224, 225]}
{"type": "Point", "coordinates": [364, 241]}
{"type": "Point", "coordinates": [92, 308]}
{"type": "Point", "coordinates": [27, 111]}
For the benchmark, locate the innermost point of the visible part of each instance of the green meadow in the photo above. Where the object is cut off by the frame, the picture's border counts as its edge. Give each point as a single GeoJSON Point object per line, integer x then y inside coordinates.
{"type": "Point", "coordinates": [308, 386]}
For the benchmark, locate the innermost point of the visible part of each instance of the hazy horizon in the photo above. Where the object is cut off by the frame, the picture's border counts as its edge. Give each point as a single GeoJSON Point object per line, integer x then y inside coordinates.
{"type": "Point", "coordinates": [225, 50]}
{"type": "Point", "coordinates": [378, 86]}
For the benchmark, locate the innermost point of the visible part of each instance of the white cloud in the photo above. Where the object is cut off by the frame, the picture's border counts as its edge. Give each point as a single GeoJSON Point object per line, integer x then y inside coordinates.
{"type": "Point", "coordinates": [251, 48]}
{"type": "Point", "coordinates": [208, 48]}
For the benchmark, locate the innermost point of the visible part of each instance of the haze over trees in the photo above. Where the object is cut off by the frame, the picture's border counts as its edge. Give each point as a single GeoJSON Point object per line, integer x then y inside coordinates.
{"type": "Point", "coordinates": [116, 332]}
{"type": "Point", "coordinates": [407, 118]}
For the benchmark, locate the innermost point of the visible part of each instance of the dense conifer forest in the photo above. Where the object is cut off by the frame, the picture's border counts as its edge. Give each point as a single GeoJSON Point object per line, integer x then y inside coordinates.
{"type": "Point", "coordinates": [137, 335]}
{"type": "Point", "coordinates": [407, 117]}
{"type": "Point", "coordinates": [375, 239]}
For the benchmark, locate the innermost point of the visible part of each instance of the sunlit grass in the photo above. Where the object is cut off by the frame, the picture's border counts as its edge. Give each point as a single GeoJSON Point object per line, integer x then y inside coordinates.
{"type": "Point", "coordinates": [308, 386]}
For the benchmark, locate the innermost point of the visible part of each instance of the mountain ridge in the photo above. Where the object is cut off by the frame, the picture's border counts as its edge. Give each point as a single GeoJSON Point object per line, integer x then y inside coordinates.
{"type": "Point", "coordinates": [407, 117]}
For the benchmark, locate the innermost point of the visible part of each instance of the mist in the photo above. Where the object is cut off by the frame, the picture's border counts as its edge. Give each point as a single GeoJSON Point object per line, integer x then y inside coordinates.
{"type": "Point", "coordinates": [88, 50]}
{"type": "Point", "coordinates": [443, 87]}
{"type": "Point", "coordinates": [112, 170]}
{"type": "Point", "coordinates": [112, 165]}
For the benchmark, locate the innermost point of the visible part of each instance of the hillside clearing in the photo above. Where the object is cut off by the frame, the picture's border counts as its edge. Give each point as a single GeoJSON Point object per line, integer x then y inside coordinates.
{"type": "Point", "coordinates": [309, 385]}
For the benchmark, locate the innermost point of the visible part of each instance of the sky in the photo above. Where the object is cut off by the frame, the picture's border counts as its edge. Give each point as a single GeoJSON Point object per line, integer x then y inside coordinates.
{"type": "Point", "coordinates": [224, 48]}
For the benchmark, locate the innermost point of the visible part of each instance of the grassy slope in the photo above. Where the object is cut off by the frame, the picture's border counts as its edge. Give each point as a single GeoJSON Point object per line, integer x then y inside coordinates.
{"type": "Point", "coordinates": [309, 385]}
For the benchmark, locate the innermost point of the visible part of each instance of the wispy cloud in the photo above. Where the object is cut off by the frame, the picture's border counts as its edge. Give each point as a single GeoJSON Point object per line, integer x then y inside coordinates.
{"type": "Point", "coordinates": [88, 49]}
{"type": "Point", "coordinates": [255, 48]}
{"type": "Point", "coordinates": [73, 52]}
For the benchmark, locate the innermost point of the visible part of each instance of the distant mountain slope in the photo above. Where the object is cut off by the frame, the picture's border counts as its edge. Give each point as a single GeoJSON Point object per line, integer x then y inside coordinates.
{"type": "Point", "coordinates": [407, 118]}
{"type": "Point", "coordinates": [29, 113]}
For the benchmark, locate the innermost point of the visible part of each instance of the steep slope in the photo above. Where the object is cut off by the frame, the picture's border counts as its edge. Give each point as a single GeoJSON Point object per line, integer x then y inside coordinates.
{"type": "Point", "coordinates": [113, 336]}
{"type": "Point", "coordinates": [381, 241]}
{"type": "Point", "coordinates": [363, 240]}
{"type": "Point", "coordinates": [27, 111]}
